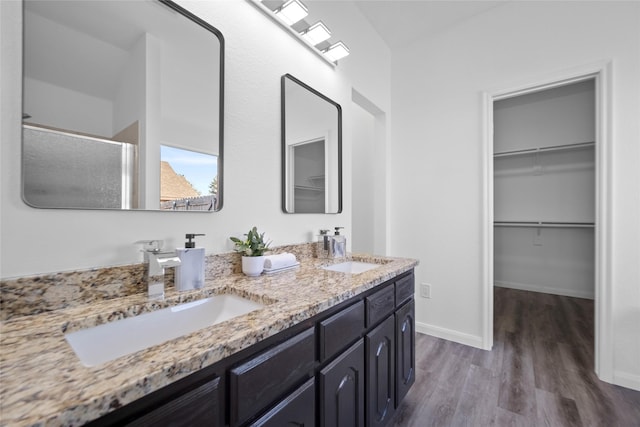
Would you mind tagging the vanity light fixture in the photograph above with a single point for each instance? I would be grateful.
(316, 34)
(290, 16)
(291, 12)
(336, 51)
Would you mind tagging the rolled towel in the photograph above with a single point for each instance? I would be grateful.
(275, 262)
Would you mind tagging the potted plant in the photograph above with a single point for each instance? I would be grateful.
(252, 249)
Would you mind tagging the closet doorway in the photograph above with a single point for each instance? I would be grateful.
(309, 172)
(544, 191)
(547, 206)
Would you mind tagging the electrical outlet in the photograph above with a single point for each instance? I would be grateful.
(425, 290)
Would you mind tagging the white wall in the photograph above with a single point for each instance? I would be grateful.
(371, 87)
(257, 54)
(437, 157)
(365, 169)
(44, 102)
(188, 106)
(371, 185)
(557, 116)
(551, 260)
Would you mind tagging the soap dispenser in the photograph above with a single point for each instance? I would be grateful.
(323, 244)
(190, 273)
(338, 246)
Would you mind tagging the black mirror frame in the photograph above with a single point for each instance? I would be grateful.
(284, 142)
(218, 34)
(199, 21)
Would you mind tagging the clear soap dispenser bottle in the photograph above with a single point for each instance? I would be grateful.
(323, 244)
(190, 273)
(338, 246)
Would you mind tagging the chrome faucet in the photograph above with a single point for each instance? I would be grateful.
(157, 261)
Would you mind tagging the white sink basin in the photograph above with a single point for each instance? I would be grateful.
(109, 341)
(352, 267)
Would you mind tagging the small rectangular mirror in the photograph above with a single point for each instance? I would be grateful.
(311, 150)
(122, 106)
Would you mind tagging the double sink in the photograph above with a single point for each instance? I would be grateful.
(109, 341)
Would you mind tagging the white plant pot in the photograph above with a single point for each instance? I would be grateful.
(252, 265)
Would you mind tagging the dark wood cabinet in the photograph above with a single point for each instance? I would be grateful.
(405, 349)
(198, 399)
(380, 305)
(342, 389)
(405, 289)
(350, 366)
(198, 407)
(381, 367)
(263, 379)
(340, 330)
(385, 367)
(296, 410)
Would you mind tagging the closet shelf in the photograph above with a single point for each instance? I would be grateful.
(564, 147)
(308, 188)
(544, 224)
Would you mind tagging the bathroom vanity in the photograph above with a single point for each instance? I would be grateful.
(328, 348)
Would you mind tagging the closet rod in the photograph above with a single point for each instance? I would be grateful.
(545, 149)
(544, 224)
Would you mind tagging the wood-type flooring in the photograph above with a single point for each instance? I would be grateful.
(539, 373)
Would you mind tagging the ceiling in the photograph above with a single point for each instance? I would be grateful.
(400, 22)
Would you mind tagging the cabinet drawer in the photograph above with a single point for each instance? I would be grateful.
(340, 330)
(297, 409)
(379, 305)
(405, 288)
(200, 406)
(259, 382)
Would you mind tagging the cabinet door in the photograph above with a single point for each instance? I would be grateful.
(380, 353)
(198, 407)
(296, 410)
(405, 350)
(342, 389)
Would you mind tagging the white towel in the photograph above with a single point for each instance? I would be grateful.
(274, 262)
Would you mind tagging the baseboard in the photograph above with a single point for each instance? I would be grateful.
(546, 290)
(450, 335)
(625, 379)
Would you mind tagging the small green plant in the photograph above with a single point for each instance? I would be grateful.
(253, 245)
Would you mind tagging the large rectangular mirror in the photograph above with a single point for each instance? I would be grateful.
(311, 150)
(122, 106)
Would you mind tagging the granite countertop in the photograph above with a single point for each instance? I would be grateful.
(43, 382)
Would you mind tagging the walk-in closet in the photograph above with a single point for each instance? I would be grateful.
(544, 164)
(544, 190)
